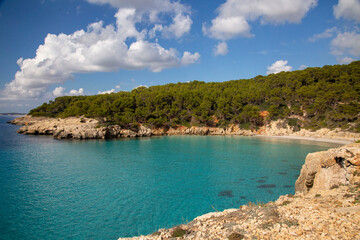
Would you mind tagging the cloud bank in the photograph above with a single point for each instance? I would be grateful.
(108, 48)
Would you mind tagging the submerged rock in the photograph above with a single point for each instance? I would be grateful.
(226, 193)
(267, 186)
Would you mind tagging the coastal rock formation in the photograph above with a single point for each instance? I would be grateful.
(324, 212)
(330, 169)
(88, 128)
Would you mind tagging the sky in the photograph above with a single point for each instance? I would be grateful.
(52, 48)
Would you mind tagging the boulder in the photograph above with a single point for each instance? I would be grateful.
(330, 169)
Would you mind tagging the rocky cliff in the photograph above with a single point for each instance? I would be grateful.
(87, 128)
(327, 207)
(330, 169)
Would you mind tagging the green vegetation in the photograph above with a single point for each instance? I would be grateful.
(312, 98)
(236, 236)
(178, 232)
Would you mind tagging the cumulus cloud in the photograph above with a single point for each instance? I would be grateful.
(279, 66)
(345, 60)
(102, 48)
(75, 92)
(189, 58)
(348, 9)
(328, 33)
(151, 11)
(107, 92)
(221, 49)
(347, 43)
(60, 91)
(234, 16)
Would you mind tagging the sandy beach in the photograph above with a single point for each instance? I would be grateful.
(329, 140)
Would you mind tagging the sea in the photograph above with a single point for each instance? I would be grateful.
(106, 189)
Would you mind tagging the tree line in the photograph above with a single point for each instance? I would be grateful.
(311, 98)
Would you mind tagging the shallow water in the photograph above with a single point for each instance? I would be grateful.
(97, 189)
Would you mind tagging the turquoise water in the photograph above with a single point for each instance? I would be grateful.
(51, 189)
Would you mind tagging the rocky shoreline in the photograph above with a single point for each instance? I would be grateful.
(326, 206)
(88, 128)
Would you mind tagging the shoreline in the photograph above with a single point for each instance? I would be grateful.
(88, 128)
(313, 139)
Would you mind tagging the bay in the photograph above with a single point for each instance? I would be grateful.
(97, 189)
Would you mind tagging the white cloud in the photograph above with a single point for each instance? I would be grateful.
(151, 10)
(60, 91)
(234, 16)
(348, 9)
(345, 60)
(75, 92)
(180, 26)
(279, 66)
(103, 49)
(221, 49)
(107, 92)
(328, 33)
(117, 86)
(347, 43)
(189, 58)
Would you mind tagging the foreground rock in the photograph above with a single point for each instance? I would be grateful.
(330, 169)
(322, 213)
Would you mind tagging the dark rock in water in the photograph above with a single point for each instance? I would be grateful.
(241, 179)
(265, 177)
(282, 173)
(287, 186)
(269, 191)
(284, 160)
(226, 193)
(242, 197)
(261, 181)
(267, 186)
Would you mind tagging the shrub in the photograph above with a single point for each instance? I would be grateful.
(178, 232)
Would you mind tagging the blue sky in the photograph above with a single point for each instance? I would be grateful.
(51, 48)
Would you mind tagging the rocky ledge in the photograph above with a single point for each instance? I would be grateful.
(88, 128)
(326, 206)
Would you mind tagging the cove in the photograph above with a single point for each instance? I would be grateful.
(98, 189)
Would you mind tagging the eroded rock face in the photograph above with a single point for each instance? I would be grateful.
(87, 128)
(330, 169)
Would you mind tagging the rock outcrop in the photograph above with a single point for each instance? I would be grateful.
(330, 169)
(88, 128)
(330, 209)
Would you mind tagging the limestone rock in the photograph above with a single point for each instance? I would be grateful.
(329, 169)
